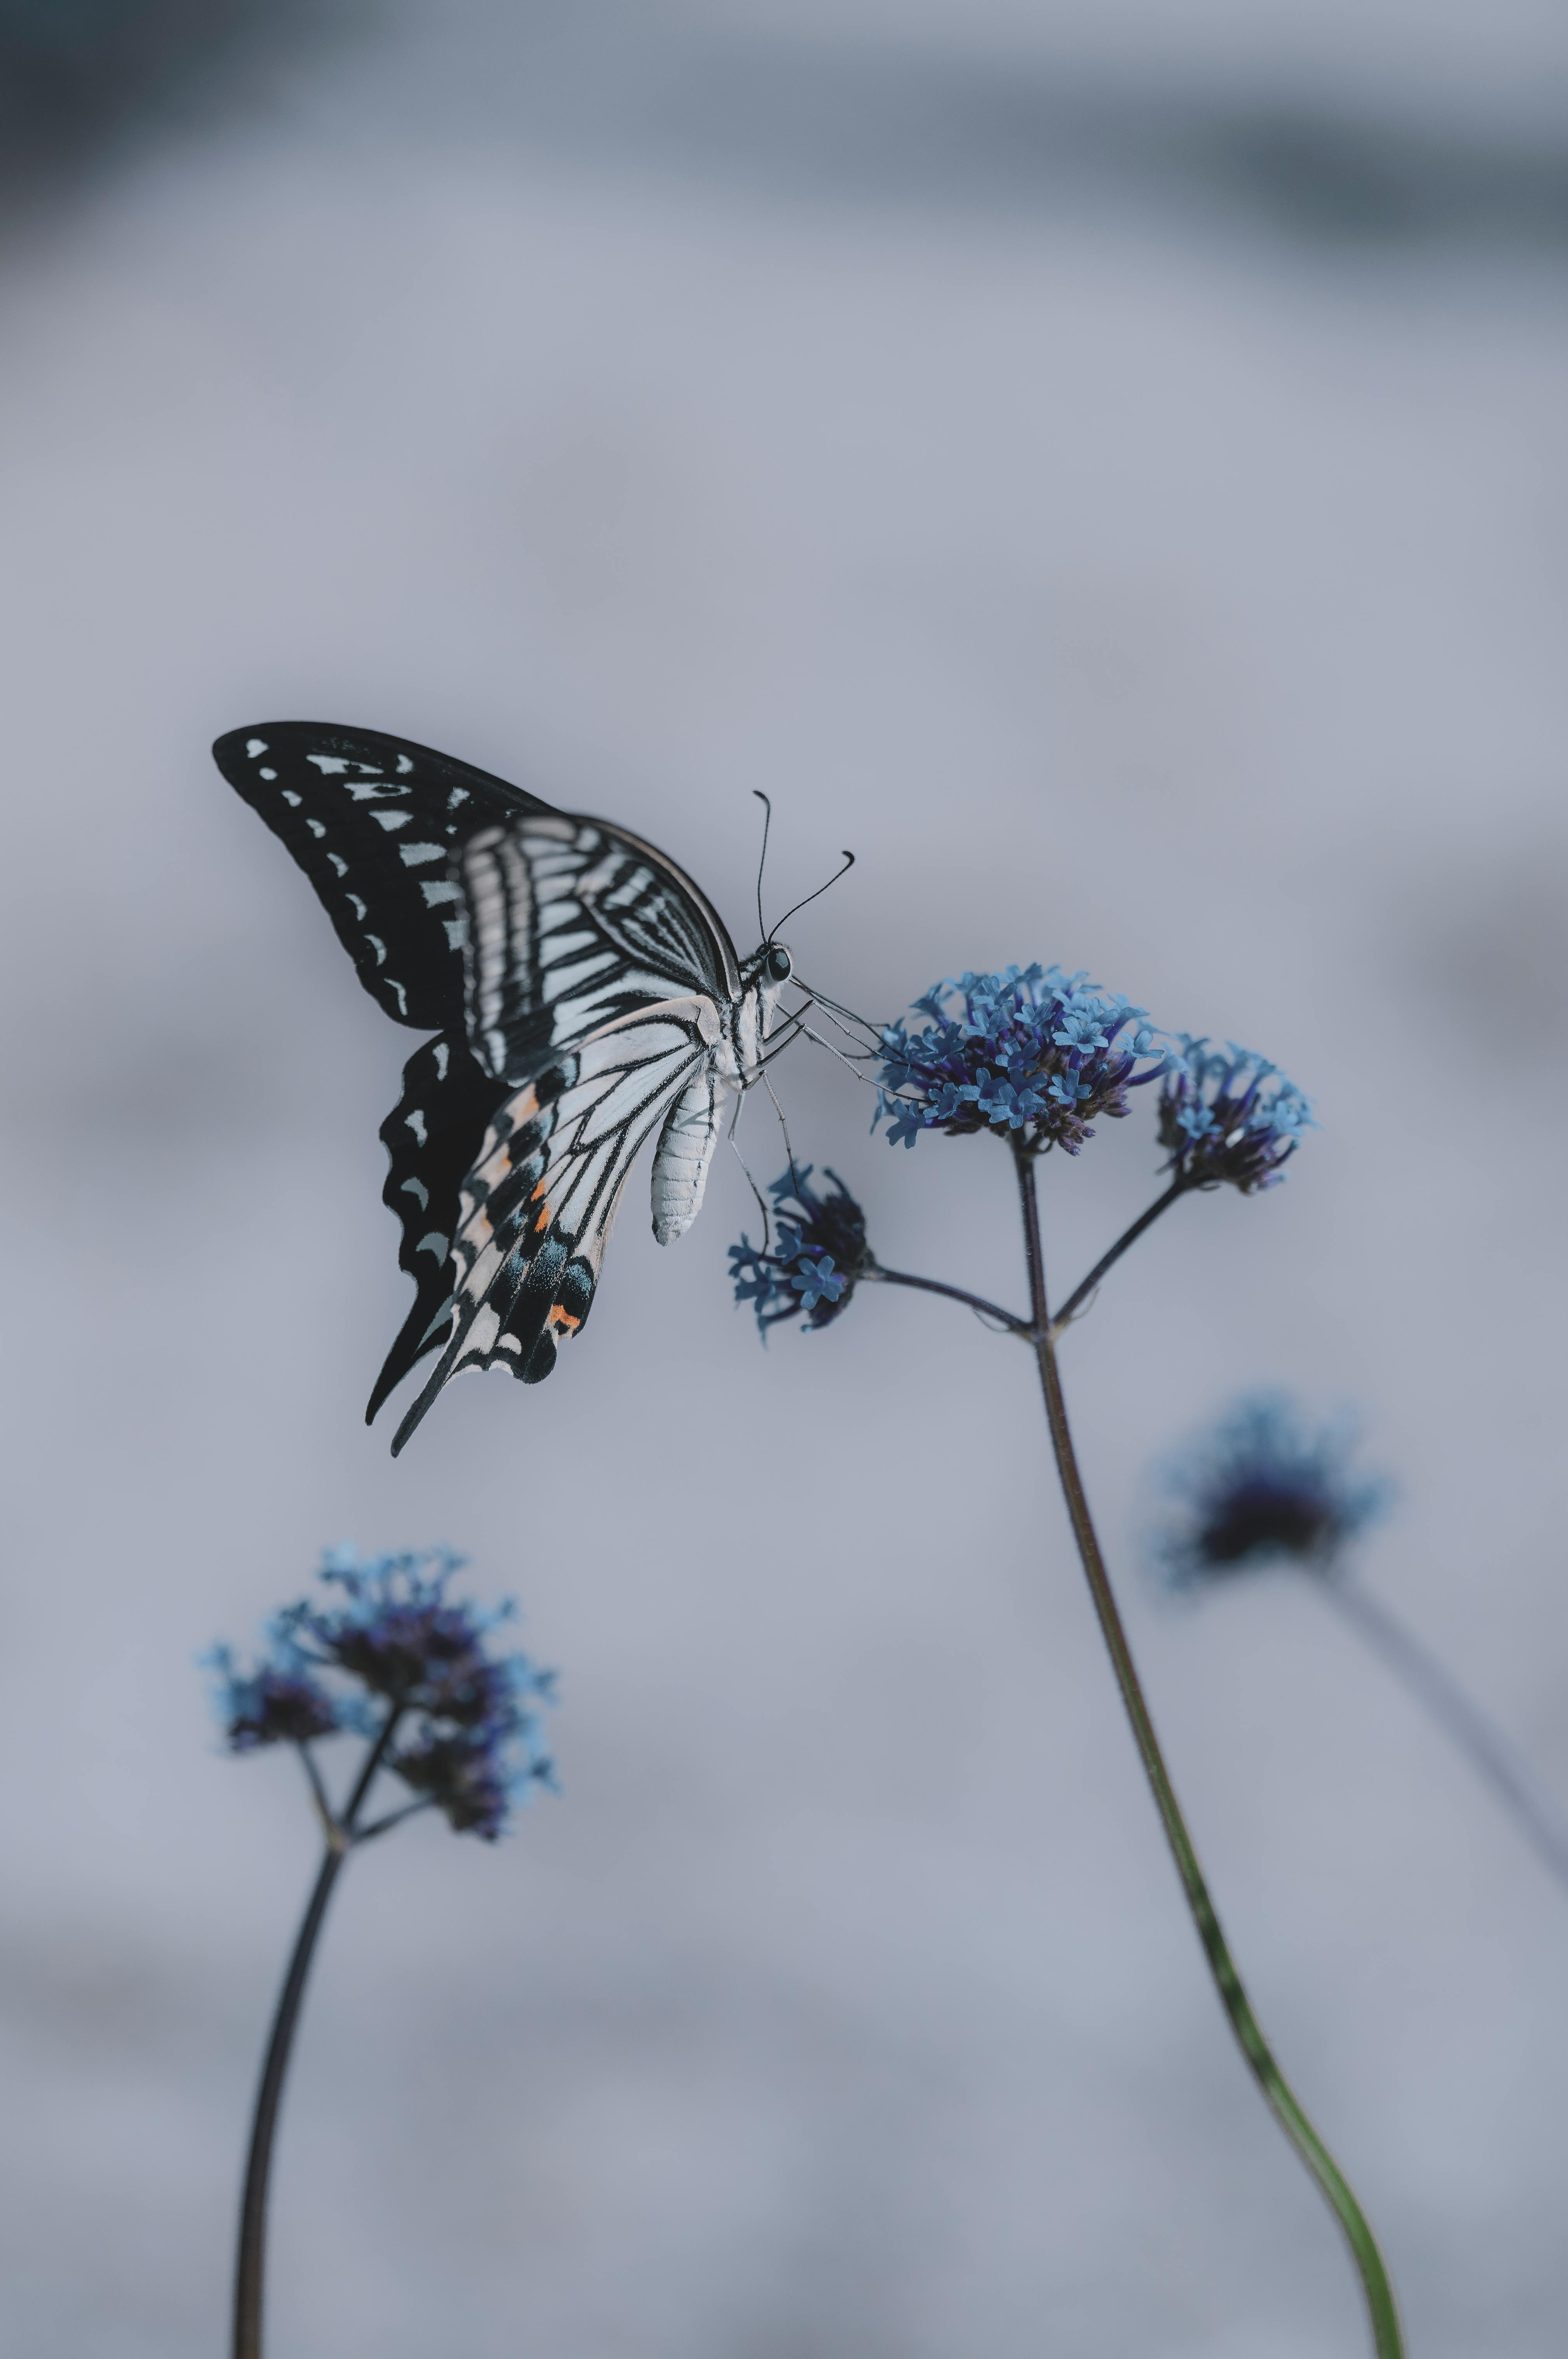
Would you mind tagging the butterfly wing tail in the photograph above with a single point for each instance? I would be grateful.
(434, 1137)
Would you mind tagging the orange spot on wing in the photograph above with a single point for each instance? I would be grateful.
(562, 1320)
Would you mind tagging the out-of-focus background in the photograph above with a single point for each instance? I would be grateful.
(1106, 464)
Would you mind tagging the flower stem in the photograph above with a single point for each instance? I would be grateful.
(1282, 2100)
(954, 1293)
(343, 1833)
(1432, 1685)
(1145, 1220)
(251, 2262)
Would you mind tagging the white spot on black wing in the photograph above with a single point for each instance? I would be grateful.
(254, 746)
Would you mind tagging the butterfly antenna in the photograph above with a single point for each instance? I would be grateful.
(767, 803)
(848, 865)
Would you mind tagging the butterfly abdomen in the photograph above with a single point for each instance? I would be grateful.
(684, 1152)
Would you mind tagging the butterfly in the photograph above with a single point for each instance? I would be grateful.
(583, 993)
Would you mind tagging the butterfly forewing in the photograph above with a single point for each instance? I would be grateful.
(373, 821)
(573, 921)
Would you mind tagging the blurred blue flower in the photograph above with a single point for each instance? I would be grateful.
(394, 1656)
(279, 1702)
(1261, 1487)
(1032, 1053)
(1229, 1117)
(819, 1251)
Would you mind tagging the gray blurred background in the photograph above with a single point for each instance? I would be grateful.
(1106, 464)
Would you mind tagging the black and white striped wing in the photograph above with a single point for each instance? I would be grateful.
(516, 934)
(535, 1212)
(373, 821)
(434, 1137)
(578, 923)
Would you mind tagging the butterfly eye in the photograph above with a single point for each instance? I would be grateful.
(778, 963)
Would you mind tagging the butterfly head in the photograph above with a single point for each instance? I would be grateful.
(763, 975)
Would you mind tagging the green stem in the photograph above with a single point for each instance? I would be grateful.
(1388, 2342)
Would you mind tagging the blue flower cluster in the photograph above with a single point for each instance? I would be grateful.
(1032, 1052)
(1259, 1486)
(396, 1659)
(1229, 1117)
(819, 1251)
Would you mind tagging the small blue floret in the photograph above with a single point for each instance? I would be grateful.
(817, 1254)
(1229, 1117)
(1030, 1052)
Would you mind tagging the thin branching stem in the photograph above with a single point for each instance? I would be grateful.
(1146, 1219)
(954, 1293)
(251, 2266)
(1434, 1687)
(317, 1792)
(373, 1761)
(342, 1834)
(1286, 2106)
(394, 1819)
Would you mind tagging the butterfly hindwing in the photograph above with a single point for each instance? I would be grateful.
(432, 1136)
(535, 1212)
(374, 822)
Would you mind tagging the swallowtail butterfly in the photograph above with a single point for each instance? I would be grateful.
(584, 996)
